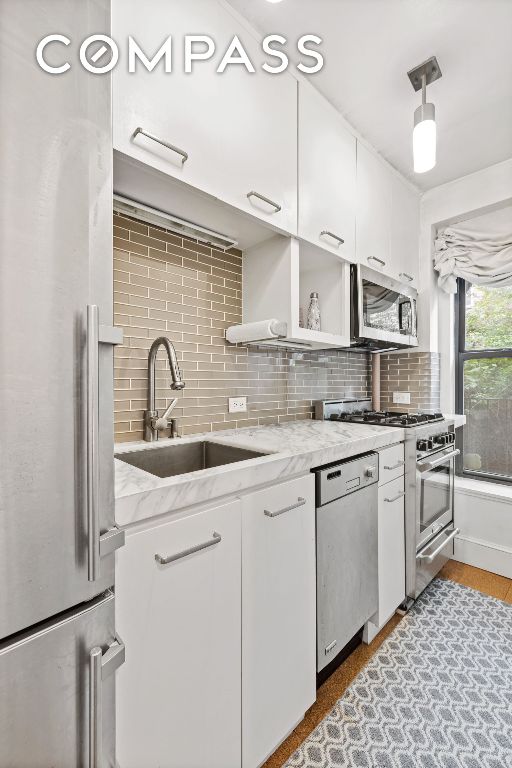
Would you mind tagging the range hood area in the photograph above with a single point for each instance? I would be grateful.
(361, 309)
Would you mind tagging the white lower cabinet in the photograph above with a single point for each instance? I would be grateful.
(221, 635)
(278, 614)
(178, 697)
(391, 548)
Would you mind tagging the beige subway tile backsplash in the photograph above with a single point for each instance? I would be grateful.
(414, 372)
(165, 285)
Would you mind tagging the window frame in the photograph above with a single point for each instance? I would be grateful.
(461, 355)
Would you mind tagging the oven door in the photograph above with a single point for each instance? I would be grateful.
(435, 490)
(386, 309)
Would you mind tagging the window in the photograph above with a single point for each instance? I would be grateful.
(484, 380)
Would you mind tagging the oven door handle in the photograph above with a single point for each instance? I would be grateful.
(427, 465)
(430, 558)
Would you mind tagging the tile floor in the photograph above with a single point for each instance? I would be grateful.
(335, 686)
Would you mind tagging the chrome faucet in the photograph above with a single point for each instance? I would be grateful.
(153, 423)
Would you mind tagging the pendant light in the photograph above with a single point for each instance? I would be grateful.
(424, 137)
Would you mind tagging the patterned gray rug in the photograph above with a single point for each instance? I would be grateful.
(437, 694)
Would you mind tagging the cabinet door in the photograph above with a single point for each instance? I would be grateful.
(178, 703)
(238, 130)
(278, 614)
(373, 218)
(327, 175)
(405, 223)
(391, 548)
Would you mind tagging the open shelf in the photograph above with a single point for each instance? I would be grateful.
(327, 275)
(279, 276)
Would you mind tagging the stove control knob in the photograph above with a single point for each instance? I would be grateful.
(422, 445)
(370, 471)
(442, 439)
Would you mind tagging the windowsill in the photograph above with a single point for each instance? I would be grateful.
(474, 487)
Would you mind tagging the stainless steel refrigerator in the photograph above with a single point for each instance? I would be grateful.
(58, 644)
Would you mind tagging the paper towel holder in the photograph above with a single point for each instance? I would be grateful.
(266, 330)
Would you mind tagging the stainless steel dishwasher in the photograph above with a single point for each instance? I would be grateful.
(346, 551)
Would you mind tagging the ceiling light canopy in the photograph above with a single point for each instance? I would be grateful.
(424, 137)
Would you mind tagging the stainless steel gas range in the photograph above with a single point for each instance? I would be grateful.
(429, 483)
(429, 502)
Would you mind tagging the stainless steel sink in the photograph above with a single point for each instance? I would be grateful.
(177, 459)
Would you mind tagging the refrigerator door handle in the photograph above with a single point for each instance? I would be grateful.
(98, 545)
(101, 666)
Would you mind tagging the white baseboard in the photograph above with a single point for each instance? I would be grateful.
(483, 554)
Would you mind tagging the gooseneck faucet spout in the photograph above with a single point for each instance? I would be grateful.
(152, 423)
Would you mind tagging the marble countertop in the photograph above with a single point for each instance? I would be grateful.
(292, 449)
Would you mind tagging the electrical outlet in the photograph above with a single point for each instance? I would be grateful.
(237, 404)
(404, 398)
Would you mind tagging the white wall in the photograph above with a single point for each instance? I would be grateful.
(456, 201)
(483, 511)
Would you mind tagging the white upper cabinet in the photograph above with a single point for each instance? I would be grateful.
(232, 135)
(373, 218)
(405, 223)
(387, 221)
(327, 175)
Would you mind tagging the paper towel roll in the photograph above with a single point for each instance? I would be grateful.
(260, 331)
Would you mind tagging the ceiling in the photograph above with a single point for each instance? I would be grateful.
(369, 45)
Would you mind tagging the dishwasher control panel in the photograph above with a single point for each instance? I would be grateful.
(338, 479)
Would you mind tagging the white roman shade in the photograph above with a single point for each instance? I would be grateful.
(478, 250)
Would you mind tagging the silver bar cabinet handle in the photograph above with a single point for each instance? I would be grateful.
(101, 666)
(408, 277)
(93, 488)
(300, 503)
(399, 495)
(424, 467)
(98, 545)
(95, 714)
(265, 200)
(326, 233)
(430, 558)
(379, 261)
(216, 539)
(166, 144)
(399, 463)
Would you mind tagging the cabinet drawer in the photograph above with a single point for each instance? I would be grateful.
(391, 463)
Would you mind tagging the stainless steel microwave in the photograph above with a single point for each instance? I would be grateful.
(383, 311)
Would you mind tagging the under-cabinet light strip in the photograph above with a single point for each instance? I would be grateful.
(172, 223)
